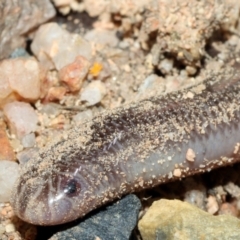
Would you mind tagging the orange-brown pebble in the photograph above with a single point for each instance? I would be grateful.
(74, 73)
(228, 208)
(6, 150)
(55, 93)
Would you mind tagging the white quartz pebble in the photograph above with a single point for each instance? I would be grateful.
(54, 44)
(166, 66)
(93, 93)
(28, 140)
(10, 227)
(8, 174)
(21, 75)
(21, 117)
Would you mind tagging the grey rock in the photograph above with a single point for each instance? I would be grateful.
(17, 17)
(116, 222)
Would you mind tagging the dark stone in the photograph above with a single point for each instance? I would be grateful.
(114, 222)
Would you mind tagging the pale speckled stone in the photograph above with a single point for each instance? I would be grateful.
(8, 174)
(174, 219)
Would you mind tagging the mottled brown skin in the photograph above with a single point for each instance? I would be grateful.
(133, 147)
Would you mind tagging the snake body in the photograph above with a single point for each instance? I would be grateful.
(130, 148)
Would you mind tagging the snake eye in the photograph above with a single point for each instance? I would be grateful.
(72, 187)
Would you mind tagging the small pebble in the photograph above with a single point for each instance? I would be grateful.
(28, 140)
(232, 189)
(16, 145)
(21, 118)
(55, 93)
(51, 109)
(74, 73)
(21, 75)
(196, 197)
(7, 169)
(10, 228)
(191, 70)
(49, 46)
(83, 116)
(93, 93)
(212, 205)
(229, 208)
(166, 66)
(150, 83)
(102, 36)
(19, 52)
